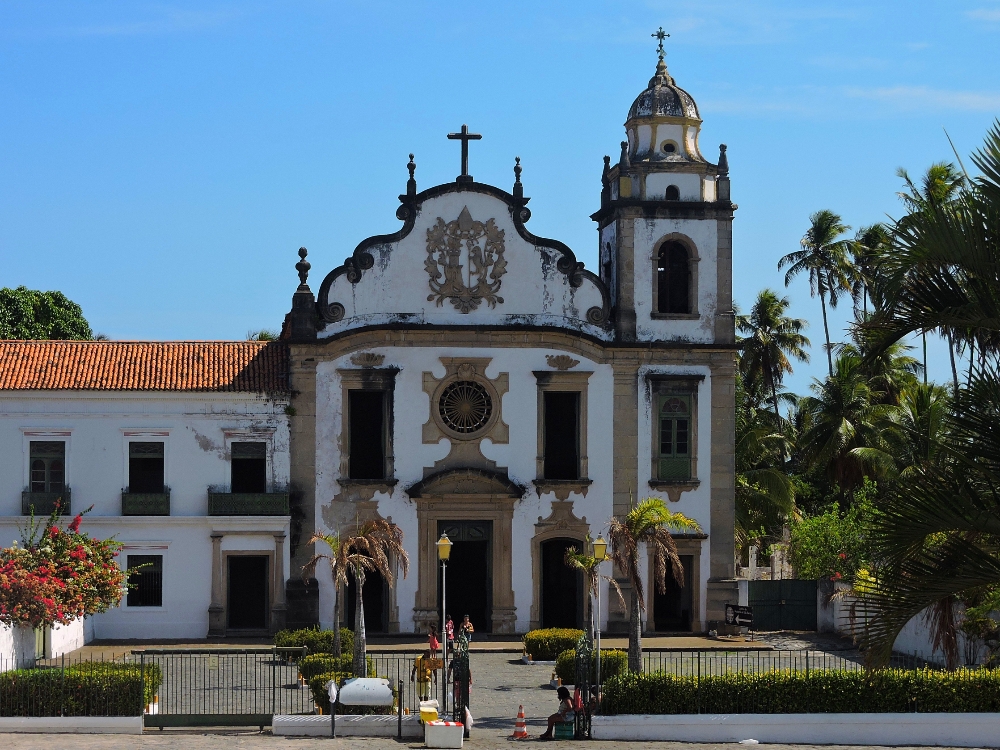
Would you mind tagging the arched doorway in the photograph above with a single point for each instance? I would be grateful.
(376, 601)
(562, 598)
(673, 610)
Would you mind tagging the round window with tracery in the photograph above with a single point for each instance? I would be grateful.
(465, 406)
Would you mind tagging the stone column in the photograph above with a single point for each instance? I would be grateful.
(278, 606)
(722, 584)
(217, 610)
(625, 478)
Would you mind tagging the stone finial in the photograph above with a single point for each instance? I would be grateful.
(411, 184)
(518, 187)
(606, 181)
(623, 161)
(303, 267)
(723, 161)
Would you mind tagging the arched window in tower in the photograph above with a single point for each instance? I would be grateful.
(673, 193)
(673, 279)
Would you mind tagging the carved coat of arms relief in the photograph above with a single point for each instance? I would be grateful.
(465, 262)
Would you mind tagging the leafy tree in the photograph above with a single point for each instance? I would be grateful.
(650, 523)
(264, 334)
(824, 257)
(835, 544)
(770, 338)
(31, 314)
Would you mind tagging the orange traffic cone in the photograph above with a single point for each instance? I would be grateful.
(520, 727)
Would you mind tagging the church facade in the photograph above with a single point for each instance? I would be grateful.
(464, 376)
(459, 375)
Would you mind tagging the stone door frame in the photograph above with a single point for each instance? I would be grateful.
(465, 507)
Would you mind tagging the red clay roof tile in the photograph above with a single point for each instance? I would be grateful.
(238, 366)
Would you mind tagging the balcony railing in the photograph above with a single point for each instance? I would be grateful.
(146, 503)
(247, 503)
(674, 469)
(45, 502)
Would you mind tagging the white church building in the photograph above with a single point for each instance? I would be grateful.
(457, 375)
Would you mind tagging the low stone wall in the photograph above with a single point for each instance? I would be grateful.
(72, 724)
(937, 729)
(347, 726)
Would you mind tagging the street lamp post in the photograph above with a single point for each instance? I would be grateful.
(600, 554)
(444, 552)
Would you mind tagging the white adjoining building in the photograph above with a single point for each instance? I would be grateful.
(458, 375)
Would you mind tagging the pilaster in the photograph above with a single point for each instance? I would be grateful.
(722, 585)
(302, 447)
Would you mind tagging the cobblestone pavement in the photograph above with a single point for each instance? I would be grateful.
(201, 740)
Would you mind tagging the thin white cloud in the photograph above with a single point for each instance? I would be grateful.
(984, 14)
(166, 21)
(924, 97)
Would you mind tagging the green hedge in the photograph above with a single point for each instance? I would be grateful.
(316, 640)
(86, 689)
(547, 644)
(821, 691)
(316, 664)
(613, 663)
(318, 687)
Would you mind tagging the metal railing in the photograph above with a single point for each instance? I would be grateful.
(146, 503)
(248, 503)
(45, 502)
(758, 661)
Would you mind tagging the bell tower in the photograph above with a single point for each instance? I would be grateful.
(665, 223)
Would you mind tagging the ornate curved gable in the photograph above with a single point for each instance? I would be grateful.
(463, 257)
(466, 482)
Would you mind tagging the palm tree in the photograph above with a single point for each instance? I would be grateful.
(374, 547)
(888, 371)
(870, 244)
(590, 567)
(919, 438)
(844, 426)
(824, 257)
(648, 523)
(338, 574)
(770, 338)
(765, 494)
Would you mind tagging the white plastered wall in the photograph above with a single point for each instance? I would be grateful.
(704, 235)
(193, 428)
(519, 410)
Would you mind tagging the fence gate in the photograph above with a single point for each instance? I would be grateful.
(224, 686)
(783, 605)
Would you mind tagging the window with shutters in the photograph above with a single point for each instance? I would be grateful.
(249, 467)
(674, 454)
(145, 467)
(47, 465)
(145, 581)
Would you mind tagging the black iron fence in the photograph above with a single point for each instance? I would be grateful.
(757, 661)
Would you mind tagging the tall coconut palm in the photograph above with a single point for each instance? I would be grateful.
(590, 566)
(374, 547)
(769, 338)
(824, 257)
(647, 524)
(338, 574)
(844, 427)
(870, 244)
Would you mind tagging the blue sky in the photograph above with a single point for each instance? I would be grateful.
(160, 163)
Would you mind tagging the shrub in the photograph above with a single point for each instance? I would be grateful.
(315, 664)
(318, 687)
(316, 640)
(820, 691)
(547, 644)
(613, 663)
(86, 689)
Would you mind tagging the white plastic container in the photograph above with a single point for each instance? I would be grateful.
(444, 734)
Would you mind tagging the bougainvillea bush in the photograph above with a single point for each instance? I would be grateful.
(58, 575)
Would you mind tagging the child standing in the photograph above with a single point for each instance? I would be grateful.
(423, 674)
(449, 631)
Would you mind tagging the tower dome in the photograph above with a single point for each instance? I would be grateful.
(663, 122)
(663, 98)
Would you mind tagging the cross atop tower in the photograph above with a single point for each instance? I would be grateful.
(465, 136)
(661, 35)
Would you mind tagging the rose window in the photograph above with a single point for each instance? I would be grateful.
(465, 407)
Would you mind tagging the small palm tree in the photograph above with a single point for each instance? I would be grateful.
(770, 339)
(869, 246)
(648, 523)
(372, 548)
(590, 567)
(824, 257)
(338, 574)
